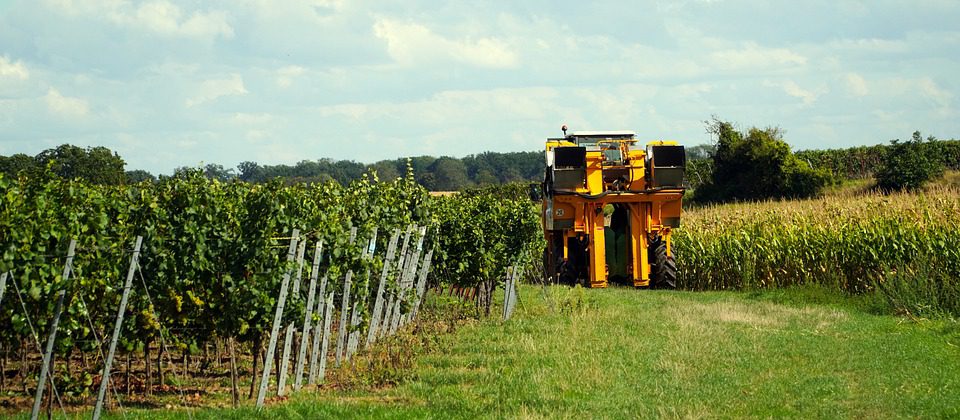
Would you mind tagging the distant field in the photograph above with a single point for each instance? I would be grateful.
(573, 353)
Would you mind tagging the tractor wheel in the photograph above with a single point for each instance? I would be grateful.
(664, 269)
(568, 273)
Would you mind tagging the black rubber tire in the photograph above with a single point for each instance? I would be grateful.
(563, 271)
(663, 273)
(568, 274)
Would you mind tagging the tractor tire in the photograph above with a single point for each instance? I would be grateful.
(663, 273)
(568, 274)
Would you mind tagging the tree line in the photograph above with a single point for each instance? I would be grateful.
(434, 173)
(739, 164)
(101, 166)
(757, 164)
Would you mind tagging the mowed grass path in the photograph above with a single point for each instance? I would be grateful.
(630, 353)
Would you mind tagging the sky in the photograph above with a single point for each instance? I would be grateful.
(168, 84)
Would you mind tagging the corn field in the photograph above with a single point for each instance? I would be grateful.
(905, 246)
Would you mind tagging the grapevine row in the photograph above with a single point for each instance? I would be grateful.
(213, 256)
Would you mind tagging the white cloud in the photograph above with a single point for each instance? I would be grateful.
(158, 16)
(352, 111)
(255, 136)
(286, 75)
(166, 18)
(65, 105)
(415, 44)
(252, 119)
(791, 88)
(390, 76)
(314, 9)
(212, 89)
(857, 85)
(753, 56)
(13, 69)
(870, 45)
(936, 94)
(924, 87)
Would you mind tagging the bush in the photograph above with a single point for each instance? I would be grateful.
(910, 164)
(757, 164)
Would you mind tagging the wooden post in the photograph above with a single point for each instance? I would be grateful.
(3, 284)
(307, 317)
(325, 345)
(402, 259)
(52, 338)
(317, 333)
(296, 283)
(277, 318)
(344, 308)
(354, 340)
(378, 299)
(512, 294)
(506, 293)
(407, 282)
(422, 282)
(342, 327)
(233, 372)
(105, 380)
(285, 361)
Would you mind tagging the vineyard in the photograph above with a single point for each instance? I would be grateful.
(282, 276)
(193, 287)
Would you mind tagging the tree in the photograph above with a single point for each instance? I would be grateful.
(757, 164)
(250, 171)
(218, 172)
(449, 174)
(908, 165)
(12, 166)
(386, 170)
(485, 177)
(97, 165)
(139, 175)
(701, 151)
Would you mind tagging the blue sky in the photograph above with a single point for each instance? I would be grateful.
(169, 84)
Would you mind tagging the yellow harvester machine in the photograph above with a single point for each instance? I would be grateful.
(609, 207)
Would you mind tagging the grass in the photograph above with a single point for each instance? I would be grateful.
(573, 353)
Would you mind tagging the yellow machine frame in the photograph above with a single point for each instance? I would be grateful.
(653, 211)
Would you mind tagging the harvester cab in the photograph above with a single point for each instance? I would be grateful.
(609, 207)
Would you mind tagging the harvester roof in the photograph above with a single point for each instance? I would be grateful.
(593, 137)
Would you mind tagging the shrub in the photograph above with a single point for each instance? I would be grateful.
(909, 164)
(757, 164)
